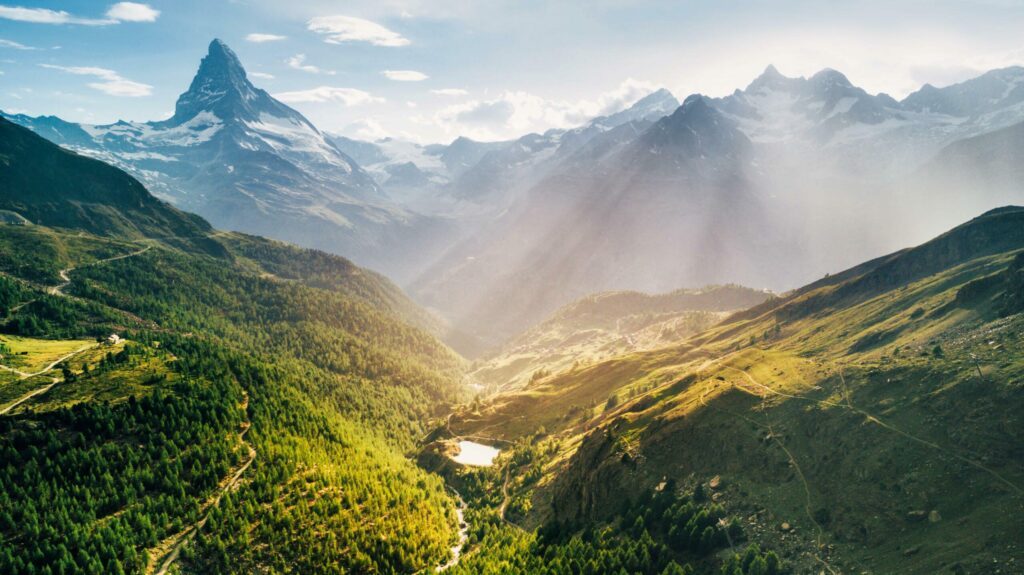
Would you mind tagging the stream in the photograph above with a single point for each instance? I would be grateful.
(460, 512)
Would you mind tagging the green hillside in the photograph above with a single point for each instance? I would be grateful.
(253, 414)
(864, 424)
(335, 386)
(48, 185)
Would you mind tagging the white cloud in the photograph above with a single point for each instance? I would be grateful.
(46, 16)
(618, 99)
(404, 75)
(515, 113)
(298, 62)
(260, 38)
(262, 75)
(367, 129)
(454, 92)
(119, 12)
(132, 12)
(111, 82)
(339, 29)
(322, 94)
(15, 45)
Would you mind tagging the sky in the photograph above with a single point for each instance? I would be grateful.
(432, 70)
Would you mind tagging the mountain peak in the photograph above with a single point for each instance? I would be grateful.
(697, 129)
(771, 72)
(219, 53)
(220, 86)
(771, 78)
(694, 103)
(660, 99)
(830, 77)
(657, 95)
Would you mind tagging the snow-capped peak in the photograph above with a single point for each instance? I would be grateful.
(222, 88)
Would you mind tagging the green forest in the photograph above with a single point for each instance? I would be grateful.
(321, 376)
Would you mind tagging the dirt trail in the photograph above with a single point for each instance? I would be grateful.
(175, 543)
(58, 290)
(45, 388)
(776, 438)
(848, 405)
(504, 497)
(808, 497)
(29, 396)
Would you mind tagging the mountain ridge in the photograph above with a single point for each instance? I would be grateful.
(51, 186)
(838, 434)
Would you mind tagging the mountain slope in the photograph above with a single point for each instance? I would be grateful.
(989, 163)
(55, 187)
(607, 218)
(864, 422)
(262, 396)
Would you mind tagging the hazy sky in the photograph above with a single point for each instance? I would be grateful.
(432, 70)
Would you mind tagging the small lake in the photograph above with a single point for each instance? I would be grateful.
(476, 454)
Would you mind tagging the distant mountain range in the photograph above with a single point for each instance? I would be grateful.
(770, 186)
(775, 184)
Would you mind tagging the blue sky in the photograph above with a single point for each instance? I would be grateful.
(432, 70)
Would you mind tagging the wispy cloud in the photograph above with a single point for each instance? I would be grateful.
(15, 45)
(404, 75)
(453, 92)
(514, 113)
(261, 38)
(47, 16)
(117, 13)
(367, 129)
(110, 83)
(132, 12)
(339, 29)
(321, 94)
(262, 75)
(298, 62)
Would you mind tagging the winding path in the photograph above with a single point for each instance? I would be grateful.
(874, 419)
(178, 541)
(65, 279)
(58, 290)
(47, 369)
(846, 404)
(29, 396)
(767, 426)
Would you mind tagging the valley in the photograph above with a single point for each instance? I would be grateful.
(776, 422)
(773, 331)
(681, 432)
